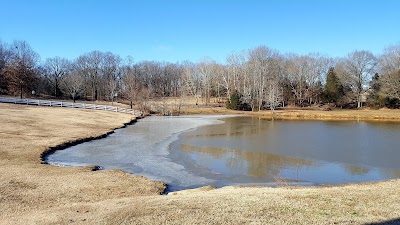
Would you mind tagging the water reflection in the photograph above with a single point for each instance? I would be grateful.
(246, 149)
(254, 164)
(193, 151)
(356, 170)
(234, 126)
(356, 143)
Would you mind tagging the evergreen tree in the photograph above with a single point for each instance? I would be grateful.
(377, 99)
(235, 102)
(333, 88)
(375, 83)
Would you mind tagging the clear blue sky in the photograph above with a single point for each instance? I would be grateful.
(190, 30)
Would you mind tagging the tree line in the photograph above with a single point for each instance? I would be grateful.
(254, 79)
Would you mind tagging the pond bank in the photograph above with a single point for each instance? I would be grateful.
(29, 189)
(31, 192)
(337, 114)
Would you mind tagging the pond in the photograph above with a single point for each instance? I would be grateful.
(193, 151)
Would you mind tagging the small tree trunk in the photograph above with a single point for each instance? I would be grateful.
(55, 88)
(21, 90)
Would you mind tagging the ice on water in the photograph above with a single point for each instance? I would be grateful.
(141, 149)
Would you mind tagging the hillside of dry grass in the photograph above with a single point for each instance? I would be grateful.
(34, 193)
(28, 187)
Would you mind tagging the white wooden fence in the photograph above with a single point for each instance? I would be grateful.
(27, 101)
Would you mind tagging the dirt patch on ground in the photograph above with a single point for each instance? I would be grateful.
(34, 193)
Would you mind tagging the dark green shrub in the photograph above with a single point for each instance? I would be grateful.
(235, 102)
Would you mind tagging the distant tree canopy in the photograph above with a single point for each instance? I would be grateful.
(255, 79)
(18, 68)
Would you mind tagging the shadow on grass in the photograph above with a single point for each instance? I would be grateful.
(389, 222)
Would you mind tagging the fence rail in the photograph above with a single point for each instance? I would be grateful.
(38, 102)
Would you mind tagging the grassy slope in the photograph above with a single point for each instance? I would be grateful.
(36, 193)
(30, 188)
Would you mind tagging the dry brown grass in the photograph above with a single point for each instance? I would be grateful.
(353, 204)
(33, 193)
(29, 189)
(363, 114)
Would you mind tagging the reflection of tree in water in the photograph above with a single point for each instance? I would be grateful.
(234, 126)
(392, 173)
(359, 170)
(259, 164)
(356, 170)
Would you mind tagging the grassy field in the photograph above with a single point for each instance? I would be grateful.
(35, 193)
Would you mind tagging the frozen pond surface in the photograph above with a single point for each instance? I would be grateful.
(193, 151)
(142, 148)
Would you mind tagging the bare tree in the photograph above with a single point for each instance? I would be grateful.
(191, 81)
(258, 68)
(390, 84)
(20, 70)
(219, 83)
(359, 67)
(206, 72)
(111, 75)
(317, 71)
(235, 68)
(296, 71)
(172, 73)
(132, 84)
(274, 93)
(55, 69)
(73, 84)
(389, 67)
(5, 56)
(88, 66)
(389, 61)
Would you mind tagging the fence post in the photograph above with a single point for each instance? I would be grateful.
(61, 104)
